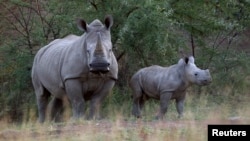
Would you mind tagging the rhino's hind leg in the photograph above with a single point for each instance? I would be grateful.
(57, 109)
(138, 102)
(42, 96)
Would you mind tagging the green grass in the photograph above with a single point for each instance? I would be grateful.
(119, 124)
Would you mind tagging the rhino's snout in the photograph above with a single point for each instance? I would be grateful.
(206, 81)
(99, 67)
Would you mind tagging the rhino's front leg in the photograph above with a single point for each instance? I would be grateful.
(164, 100)
(180, 105)
(98, 97)
(74, 92)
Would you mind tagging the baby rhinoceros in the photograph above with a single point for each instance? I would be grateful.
(166, 83)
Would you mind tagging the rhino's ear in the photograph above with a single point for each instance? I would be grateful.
(186, 59)
(82, 25)
(181, 61)
(108, 21)
(191, 59)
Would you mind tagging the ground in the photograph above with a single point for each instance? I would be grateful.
(118, 129)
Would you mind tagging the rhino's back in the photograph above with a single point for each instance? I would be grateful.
(148, 80)
(54, 50)
(156, 79)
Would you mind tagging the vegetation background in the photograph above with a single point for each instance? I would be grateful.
(144, 33)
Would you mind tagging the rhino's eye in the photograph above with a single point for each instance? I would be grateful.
(196, 74)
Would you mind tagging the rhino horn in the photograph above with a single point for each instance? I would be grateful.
(98, 49)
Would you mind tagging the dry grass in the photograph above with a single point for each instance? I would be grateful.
(198, 114)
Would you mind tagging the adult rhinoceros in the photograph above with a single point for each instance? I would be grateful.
(165, 83)
(79, 67)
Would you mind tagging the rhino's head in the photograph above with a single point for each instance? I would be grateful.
(98, 45)
(194, 74)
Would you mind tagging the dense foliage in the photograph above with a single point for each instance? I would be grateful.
(144, 33)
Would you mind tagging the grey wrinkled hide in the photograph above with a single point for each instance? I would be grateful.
(166, 83)
(79, 68)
